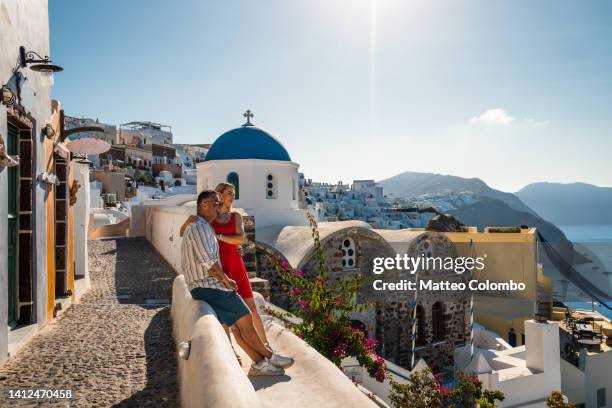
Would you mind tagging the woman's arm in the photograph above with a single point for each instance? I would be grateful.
(190, 219)
(239, 238)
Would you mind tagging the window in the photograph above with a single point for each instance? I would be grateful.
(512, 337)
(601, 397)
(437, 320)
(420, 326)
(348, 253)
(293, 189)
(271, 187)
(234, 180)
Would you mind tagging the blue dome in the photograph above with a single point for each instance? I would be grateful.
(247, 142)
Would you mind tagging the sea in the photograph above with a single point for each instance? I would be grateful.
(596, 238)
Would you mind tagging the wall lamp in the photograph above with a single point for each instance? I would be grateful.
(5, 159)
(8, 97)
(48, 131)
(41, 64)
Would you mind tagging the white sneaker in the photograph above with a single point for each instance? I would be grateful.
(281, 361)
(265, 367)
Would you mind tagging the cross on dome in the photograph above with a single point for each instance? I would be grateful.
(248, 115)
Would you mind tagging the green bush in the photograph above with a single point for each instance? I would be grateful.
(325, 311)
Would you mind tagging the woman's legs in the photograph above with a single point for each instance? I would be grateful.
(259, 327)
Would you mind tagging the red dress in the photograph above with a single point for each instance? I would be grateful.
(231, 260)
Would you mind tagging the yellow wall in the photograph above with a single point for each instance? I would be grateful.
(509, 256)
(502, 326)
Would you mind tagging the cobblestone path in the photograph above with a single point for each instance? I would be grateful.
(115, 348)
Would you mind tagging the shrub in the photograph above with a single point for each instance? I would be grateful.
(556, 401)
(325, 310)
(425, 390)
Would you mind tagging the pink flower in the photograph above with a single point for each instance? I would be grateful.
(379, 359)
(297, 290)
(284, 263)
(298, 273)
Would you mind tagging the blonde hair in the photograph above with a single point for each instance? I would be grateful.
(222, 186)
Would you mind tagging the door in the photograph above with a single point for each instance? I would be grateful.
(13, 225)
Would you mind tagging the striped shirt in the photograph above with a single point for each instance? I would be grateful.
(199, 252)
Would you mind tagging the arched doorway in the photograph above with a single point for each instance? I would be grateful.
(420, 329)
(437, 320)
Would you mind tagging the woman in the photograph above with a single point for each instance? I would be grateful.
(230, 233)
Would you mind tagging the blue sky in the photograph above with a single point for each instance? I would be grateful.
(510, 92)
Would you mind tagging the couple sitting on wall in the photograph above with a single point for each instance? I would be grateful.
(215, 273)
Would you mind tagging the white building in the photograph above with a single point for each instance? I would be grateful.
(526, 374)
(266, 179)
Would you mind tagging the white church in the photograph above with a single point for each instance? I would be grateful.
(260, 168)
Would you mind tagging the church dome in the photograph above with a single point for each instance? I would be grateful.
(247, 142)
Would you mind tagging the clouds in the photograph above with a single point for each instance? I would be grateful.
(499, 117)
(533, 122)
(495, 116)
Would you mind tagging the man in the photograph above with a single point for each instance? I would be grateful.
(207, 282)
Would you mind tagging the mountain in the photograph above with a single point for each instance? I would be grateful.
(485, 206)
(488, 212)
(474, 203)
(569, 204)
(412, 184)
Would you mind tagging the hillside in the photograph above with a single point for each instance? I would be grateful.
(569, 204)
(413, 184)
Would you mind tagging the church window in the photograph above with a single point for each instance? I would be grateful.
(437, 320)
(348, 253)
(234, 180)
(420, 326)
(271, 191)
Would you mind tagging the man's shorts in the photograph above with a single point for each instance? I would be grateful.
(228, 305)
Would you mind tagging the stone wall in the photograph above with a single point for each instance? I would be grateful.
(389, 319)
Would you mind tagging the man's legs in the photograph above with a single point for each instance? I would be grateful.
(250, 337)
(255, 356)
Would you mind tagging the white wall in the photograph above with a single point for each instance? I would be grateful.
(283, 210)
(26, 23)
(162, 226)
(211, 376)
(81, 219)
(528, 377)
(598, 372)
(572, 382)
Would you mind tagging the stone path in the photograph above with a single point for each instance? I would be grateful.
(115, 348)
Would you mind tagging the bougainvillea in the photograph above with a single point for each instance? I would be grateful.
(325, 310)
(424, 389)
